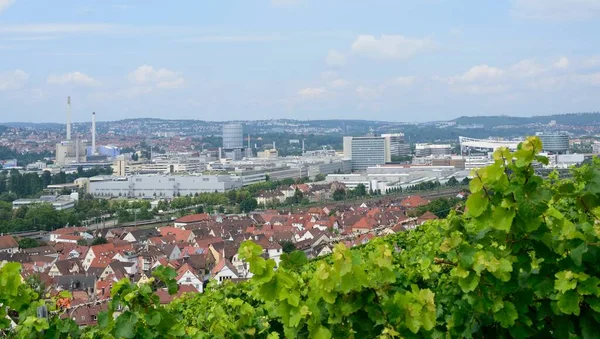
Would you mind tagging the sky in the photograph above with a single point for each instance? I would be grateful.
(393, 60)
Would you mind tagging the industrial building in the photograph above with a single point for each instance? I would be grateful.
(398, 146)
(469, 145)
(58, 202)
(389, 176)
(162, 186)
(179, 163)
(554, 142)
(423, 150)
(367, 151)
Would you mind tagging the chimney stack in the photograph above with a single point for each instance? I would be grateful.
(68, 118)
(94, 133)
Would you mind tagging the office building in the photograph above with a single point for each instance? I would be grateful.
(162, 186)
(367, 151)
(423, 150)
(233, 136)
(554, 142)
(398, 147)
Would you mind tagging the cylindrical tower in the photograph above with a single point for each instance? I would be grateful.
(233, 136)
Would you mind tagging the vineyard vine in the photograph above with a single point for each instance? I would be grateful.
(519, 259)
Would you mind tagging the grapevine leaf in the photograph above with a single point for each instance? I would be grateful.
(477, 203)
(321, 333)
(506, 315)
(125, 325)
(594, 303)
(469, 283)
(565, 281)
(476, 184)
(503, 218)
(589, 287)
(578, 252)
(568, 303)
(589, 326)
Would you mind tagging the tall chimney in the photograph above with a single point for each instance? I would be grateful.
(68, 118)
(77, 149)
(94, 133)
(303, 146)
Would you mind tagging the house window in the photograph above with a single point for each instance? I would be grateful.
(94, 317)
(188, 279)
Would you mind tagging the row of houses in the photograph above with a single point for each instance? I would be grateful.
(199, 247)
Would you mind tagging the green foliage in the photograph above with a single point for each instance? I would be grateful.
(99, 241)
(28, 243)
(519, 259)
(287, 246)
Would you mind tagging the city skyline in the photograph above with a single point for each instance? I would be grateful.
(297, 59)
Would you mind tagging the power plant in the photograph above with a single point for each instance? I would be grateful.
(68, 151)
(75, 150)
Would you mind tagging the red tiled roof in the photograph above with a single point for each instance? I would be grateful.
(8, 241)
(193, 218)
(414, 201)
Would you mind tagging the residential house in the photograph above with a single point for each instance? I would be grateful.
(265, 198)
(66, 267)
(8, 244)
(192, 218)
(181, 235)
(414, 201)
(224, 270)
(42, 250)
(186, 275)
(140, 236)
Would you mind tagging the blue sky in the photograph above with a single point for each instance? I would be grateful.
(397, 60)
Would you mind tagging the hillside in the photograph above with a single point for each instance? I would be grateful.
(575, 119)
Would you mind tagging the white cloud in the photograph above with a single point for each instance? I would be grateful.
(557, 9)
(404, 81)
(591, 62)
(485, 89)
(335, 58)
(391, 47)
(4, 4)
(589, 79)
(339, 83)
(13, 80)
(526, 68)
(562, 63)
(312, 92)
(76, 78)
(285, 3)
(366, 93)
(161, 78)
(479, 73)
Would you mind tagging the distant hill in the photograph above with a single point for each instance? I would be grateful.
(576, 119)
(42, 125)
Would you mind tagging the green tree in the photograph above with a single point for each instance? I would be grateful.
(28, 243)
(320, 177)
(339, 194)
(99, 241)
(452, 182)
(248, 205)
(360, 190)
(82, 242)
(287, 246)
